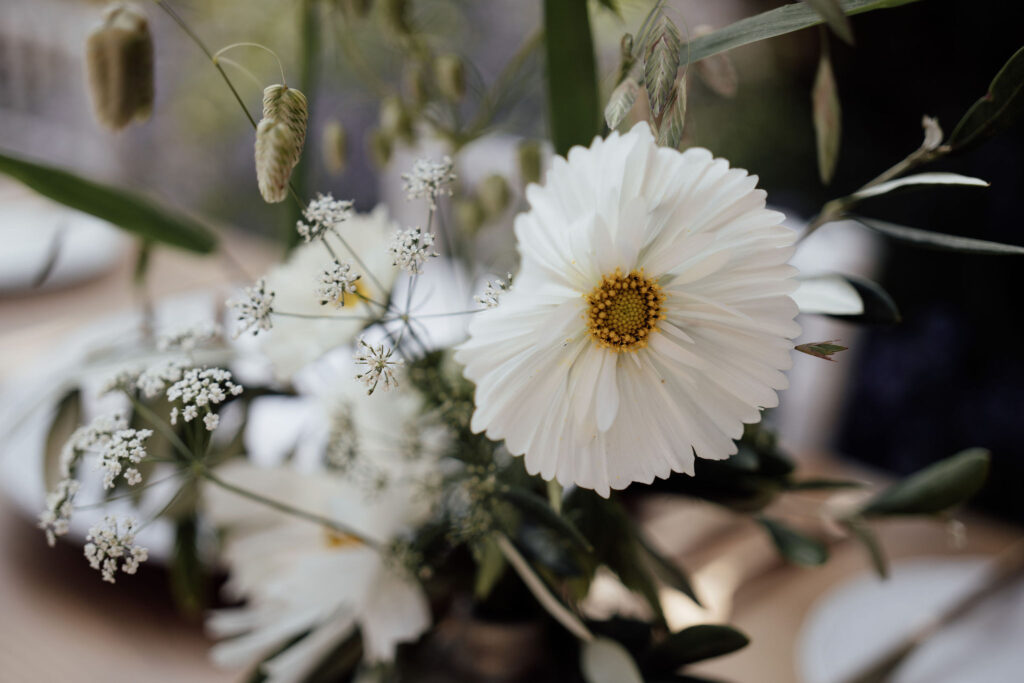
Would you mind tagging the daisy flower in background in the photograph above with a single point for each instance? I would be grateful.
(307, 583)
(298, 288)
(650, 320)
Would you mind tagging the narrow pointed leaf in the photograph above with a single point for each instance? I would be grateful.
(823, 485)
(824, 350)
(620, 102)
(667, 570)
(690, 645)
(997, 110)
(795, 546)
(878, 306)
(936, 488)
(939, 241)
(827, 118)
(918, 180)
(490, 568)
(572, 75)
(537, 508)
(776, 22)
(661, 62)
(127, 210)
(833, 14)
(859, 529)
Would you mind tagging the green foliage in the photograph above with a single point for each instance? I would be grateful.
(187, 576)
(65, 421)
(926, 239)
(934, 489)
(490, 567)
(827, 116)
(879, 308)
(996, 110)
(127, 210)
(824, 350)
(832, 13)
(572, 74)
(866, 537)
(793, 545)
(537, 508)
(690, 645)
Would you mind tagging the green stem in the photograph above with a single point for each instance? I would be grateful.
(572, 74)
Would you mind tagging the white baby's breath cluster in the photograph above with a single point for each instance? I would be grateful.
(429, 180)
(200, 389)
(411, 248)
(493, 291)
(379, 366)
(111, 542)
(188, 338)
(122, 453)
(254, 310)
(323, 214)
(336, 280)
(55, 520)
(156, 378)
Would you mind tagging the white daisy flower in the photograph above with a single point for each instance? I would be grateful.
(297, 341)
(650, 320)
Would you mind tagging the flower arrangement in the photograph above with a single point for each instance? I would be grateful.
(489, 473)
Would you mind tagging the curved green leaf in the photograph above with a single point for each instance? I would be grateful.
(939, 241)
(879, 308)
(690, 645)
(1001, 105)
(918, 180)
(827, 115)
(572, 74)
(833, 15)
(127, 210)
(936, 488)
(537, 508)
(776, 22)
(795, 546)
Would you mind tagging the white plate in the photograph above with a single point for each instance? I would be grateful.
(861, 619)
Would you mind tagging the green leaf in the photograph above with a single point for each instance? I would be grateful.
(65, 421)
(127, 210)
(666, 570)
(834, 16)
(490, 567)
(690, 645)
(795, 546)
(661, 62)
(670, 133)
(879, 308)
(915, 181)
(604, 660)
(939, 241)
(997, 110)
(776, 22)
(823, 485)
(863, 533)
(537, 508)
(824, 350)
(620, 102)
(936, 488)
(827, 117)
(572, 74)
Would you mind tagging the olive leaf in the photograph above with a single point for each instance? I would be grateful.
(693, 644)
(934, 489)
(793, 545)
(833, 14)
(997, 109)
(927, 239)
(827, 117)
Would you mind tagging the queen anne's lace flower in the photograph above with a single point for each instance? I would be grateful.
(323, 214)
(379, 366)
(155, 379)
(189, 338)
(411, 248)
(336, 281)
(122, 453)
(112, 542)
(201, 388)
(650, 320)
(493, 291)
(254, 311)
(429, 180)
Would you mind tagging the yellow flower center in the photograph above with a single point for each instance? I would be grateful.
(361, 294)
(624, 310)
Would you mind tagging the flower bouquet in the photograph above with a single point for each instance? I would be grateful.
(420, 449)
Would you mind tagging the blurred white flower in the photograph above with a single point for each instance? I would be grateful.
(297, 341)
(650, 320)
(254, 310)
(111, 542)
(429, 180)
(322, 215)
(411, 248)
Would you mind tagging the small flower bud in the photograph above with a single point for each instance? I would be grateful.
(380, 145)
(494, 195)
(529, 162)
(119, 62)
(280, 136)
(450, 74)
(394, 120)
(335, 147)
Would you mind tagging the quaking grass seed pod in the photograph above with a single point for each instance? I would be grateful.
(450, 74)
(280, 136)
(119, 64)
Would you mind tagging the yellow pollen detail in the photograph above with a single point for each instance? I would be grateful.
(359, 295)
(335, 539)
(624, 310)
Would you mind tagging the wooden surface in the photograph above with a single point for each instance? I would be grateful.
(61, 623)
